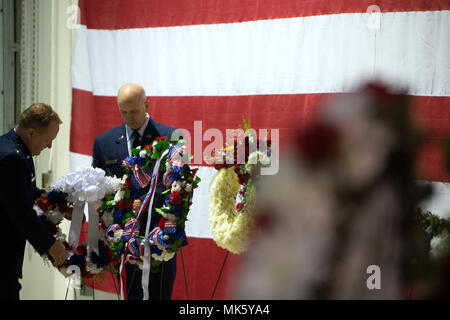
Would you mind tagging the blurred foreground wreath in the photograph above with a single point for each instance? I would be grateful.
(347, 202)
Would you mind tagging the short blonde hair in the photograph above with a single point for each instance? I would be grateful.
(38, 116)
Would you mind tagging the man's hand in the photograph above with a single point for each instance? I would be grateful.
(137, 204)
(68, 214)
(58, 252)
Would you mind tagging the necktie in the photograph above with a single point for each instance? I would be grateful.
(136, 139)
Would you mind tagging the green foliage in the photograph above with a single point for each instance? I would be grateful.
(433, 224)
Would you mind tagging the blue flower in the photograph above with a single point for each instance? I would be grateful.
(155, 249)
(177, 210)
(118, 216)
(176, 176)
(131, 160)
(140, 161)
(177, 169)
(179, 234)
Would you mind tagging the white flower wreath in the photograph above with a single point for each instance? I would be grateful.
(231, 227)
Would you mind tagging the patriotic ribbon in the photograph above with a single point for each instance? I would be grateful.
(131, 229)
(134, 246)
(140, 176)
(110, 232)
(156, 238)
(170, 226)
(147, 250)
(148, 201)
(175, 159)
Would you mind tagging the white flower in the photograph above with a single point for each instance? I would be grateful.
(440, 245)
(164, 256)
(119, 195)
(107, 218)
(143, 154)
(112, 184)
(257, 158)
(118, 235)
(188, 187)
(58, 185)
(176, 186)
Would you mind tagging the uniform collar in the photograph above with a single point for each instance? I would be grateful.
(141, 130)
(16, 138)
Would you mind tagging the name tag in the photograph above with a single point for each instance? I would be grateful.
(109, 162)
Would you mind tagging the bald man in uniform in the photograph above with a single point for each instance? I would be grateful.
(113, 146)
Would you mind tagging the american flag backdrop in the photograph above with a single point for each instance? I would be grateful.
(270, 61)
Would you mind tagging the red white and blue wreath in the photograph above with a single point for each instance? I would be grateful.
(68, 196)
(144, 170)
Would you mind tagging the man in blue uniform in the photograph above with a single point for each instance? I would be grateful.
(38, 126)
(113, 146)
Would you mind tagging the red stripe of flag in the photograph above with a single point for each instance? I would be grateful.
(125, 14)
(287, 112)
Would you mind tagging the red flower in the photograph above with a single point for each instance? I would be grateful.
(160, 139)
(44, 203)
(125, 205)
(128, 183)
(175, 198)
(149, 147)
(121, 205)
(219, 166)
(161, 223)
(129, 205)
(81, 250)
(239, 206)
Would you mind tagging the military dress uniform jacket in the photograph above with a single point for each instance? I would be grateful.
(18, 192)
(110, 148)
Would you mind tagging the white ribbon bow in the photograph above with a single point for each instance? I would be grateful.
(86, 185)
